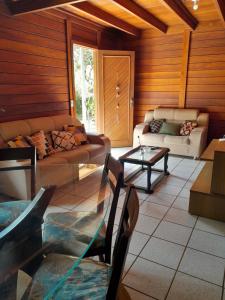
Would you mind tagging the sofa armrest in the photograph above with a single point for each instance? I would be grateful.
(139, 130)
(198, 138)
(100, 139)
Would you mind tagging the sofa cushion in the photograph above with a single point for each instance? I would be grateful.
(18, 142)
(170, 128)
(93, 149)
(61, 120)
(78, 131)
(64, 141)
(187, 127)
(154, 139)
(52, 160)
(176, 140)
(155, 125)
(8, 130)
(186, 114)
(45, 123)
(74, 156)
(164, 113)
(39, 141)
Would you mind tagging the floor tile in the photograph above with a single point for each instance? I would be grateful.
(163, 252)
(129, 261)
(185, 193)
(153, 210)
(137, 242)
(181, 203)
(169, 189)
(135, 295)
(186, 287)
(161, 198)
(180, 217)
(203, 266)
(208, 242)
(149, 278)
(173, 233)
(68, 201)
(118, 215)
(146, 224)
(174, 180)
(212, 226)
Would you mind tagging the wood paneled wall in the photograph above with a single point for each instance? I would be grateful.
(33, 66)
(159, 72)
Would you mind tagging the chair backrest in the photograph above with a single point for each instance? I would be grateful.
(113, 168)
(127, 224)
(21, 241)
(26, 153)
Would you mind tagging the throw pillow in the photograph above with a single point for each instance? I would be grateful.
(155, 125)
(64, 141)
(79, 133)
(39, 141)
(187, 127)
(18, 142)
(170, 129)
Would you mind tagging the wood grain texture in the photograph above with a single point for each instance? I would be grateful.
(33, 66)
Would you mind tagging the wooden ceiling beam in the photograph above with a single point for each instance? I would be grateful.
(180, 9)
(27, 6)
(106, 18)
(220, 4)
(141, 13)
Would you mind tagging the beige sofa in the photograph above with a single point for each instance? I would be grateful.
(191, 145)
(59, 168)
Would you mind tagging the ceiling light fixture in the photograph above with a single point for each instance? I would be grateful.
(195, 4)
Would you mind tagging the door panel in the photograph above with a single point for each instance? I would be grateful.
(116, 95)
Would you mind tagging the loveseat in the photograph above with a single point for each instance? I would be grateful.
(191, 145)
(59, 168)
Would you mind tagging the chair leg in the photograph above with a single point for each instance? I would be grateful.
(101, 258)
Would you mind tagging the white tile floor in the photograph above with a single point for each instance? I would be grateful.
(174, 255)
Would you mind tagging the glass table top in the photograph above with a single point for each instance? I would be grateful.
(82, 197)
(144, 153)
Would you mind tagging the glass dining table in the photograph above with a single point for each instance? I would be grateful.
(80, 189)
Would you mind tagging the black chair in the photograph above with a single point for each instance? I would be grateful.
(26, 153)
(58, 278)
(21, 243)
(64, 240)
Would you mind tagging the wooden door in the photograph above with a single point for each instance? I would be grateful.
(115, 96)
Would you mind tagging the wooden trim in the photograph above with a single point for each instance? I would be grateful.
(184, 71)
(107, 18)
(72, 102)
(220, 4)
(143, 14)
(180, 9)
(27, 6)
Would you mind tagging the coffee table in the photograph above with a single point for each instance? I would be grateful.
(146, 157)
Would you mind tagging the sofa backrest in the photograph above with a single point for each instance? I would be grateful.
(177, 115)
(9, 130)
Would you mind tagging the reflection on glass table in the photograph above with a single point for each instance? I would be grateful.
(84, 192)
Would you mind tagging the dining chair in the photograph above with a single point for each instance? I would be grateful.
(63, 239)
(10, 210)
(60, 278)
(21, 243)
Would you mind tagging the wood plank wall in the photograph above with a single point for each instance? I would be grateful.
(159, 73)
(33, 66)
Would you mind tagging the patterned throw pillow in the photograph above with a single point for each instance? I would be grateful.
(64, 141)
(39, 141)
(155, 125)
(18, 142)
(79, 133)
(187, 127)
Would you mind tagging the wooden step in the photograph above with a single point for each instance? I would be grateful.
(203, 182)
(204, 203)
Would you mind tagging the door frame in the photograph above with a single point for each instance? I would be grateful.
(100, 103)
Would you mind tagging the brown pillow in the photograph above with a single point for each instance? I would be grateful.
(79, 133)
(64, 141)
(18, 142)
(187, 127)
(39, 141)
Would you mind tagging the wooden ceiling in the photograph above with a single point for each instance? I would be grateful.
(131, 16)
